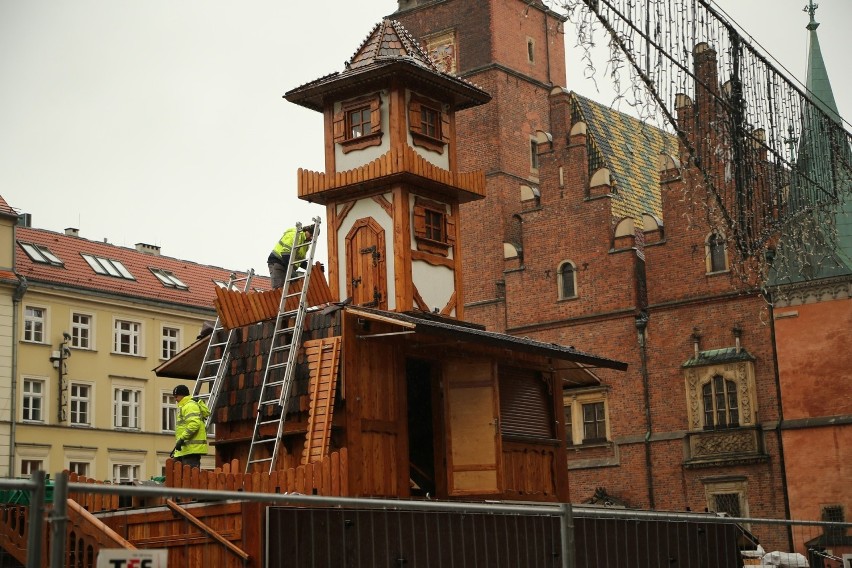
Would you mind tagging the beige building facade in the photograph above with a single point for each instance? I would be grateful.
(83, 324)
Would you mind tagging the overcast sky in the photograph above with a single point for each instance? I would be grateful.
(162, 121)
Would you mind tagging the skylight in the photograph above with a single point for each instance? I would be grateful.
(40, 254)
(108, 267)
(168, 279)
(221, 284)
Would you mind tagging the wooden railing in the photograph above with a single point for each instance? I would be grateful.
(399, 159)
(14, 524)
(327, 477)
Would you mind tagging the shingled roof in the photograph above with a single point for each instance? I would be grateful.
(630, 149)
(74, 271)
(388, 50)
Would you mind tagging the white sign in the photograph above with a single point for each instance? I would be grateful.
(123, 558)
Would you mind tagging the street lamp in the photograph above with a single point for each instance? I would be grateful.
(58, 359)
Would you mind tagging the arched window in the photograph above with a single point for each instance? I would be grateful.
(567, 280)
(721, 407)
(717, 255)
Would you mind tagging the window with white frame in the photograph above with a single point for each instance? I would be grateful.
(586, 419)
(81, 331)
(125, 472)
(170, 342)
(126, 407)
(80, 401)
(35, 319)
(168, 413)
(127, 337)
(33, 407)
(30, 466)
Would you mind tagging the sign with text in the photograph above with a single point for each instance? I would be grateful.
(123, 558)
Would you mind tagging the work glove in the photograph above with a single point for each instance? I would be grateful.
(178, 446)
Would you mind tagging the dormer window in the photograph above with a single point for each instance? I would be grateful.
(108, 267)
(358, 123)
(168, 279)
(40, 254)
(428, 123)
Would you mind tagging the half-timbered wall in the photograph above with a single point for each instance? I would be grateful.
(368, 208)
(348, 160)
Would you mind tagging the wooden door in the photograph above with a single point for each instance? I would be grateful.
(473, 431)
(366, 277)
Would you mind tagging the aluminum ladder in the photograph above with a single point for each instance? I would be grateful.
(275, 388)
(208, 375)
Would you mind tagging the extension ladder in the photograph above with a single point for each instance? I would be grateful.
(275, 388)
(208, 375)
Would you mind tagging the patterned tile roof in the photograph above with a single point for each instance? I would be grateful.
(630, 149)
(75, 272)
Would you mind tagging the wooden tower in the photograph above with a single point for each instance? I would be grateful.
(391, 184)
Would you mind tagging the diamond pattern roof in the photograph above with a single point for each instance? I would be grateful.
(630, 149)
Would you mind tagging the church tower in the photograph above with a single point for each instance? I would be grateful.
(391, 185)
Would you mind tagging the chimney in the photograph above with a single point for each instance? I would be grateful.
(72, 232)
(153, 250)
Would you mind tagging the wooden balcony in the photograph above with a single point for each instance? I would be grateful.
(400, 164)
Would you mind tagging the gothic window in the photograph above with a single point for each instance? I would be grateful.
(716, 253)
(534, 155)
(721, 408)
(567, 276)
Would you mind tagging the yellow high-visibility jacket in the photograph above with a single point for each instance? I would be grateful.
(284, 246)
(190, 428)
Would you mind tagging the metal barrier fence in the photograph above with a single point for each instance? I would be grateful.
(235, 528)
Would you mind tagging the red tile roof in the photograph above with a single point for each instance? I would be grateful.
(77, 273)
(6, 208)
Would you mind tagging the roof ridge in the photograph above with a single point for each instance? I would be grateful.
(390, 40)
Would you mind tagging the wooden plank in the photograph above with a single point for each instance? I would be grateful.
(231, 547)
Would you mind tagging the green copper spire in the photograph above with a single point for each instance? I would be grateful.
(820, 244)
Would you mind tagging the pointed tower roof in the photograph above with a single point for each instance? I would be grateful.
(388, 50)
(824, 161)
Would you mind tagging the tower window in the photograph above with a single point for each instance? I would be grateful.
(428, 124)
(358, 122)
(435, 225)
(530, 50)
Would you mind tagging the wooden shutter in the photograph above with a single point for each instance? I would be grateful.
(339, 126)
(376, 115)
(445, 127)
(451, 230)
(414, 115)
(525, 405)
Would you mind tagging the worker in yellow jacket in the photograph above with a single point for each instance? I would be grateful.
(190, 430)
(280, 255)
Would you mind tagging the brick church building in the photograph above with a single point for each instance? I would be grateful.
(585, 237)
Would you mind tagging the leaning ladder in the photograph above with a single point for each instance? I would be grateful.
(285, 341)
(208, 375)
